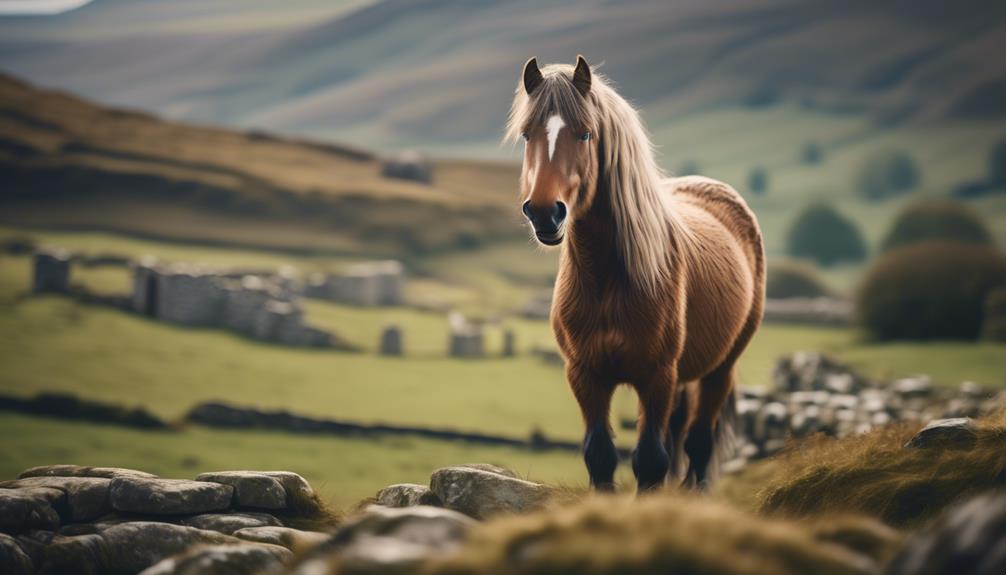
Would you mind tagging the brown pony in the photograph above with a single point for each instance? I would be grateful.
(661, 280)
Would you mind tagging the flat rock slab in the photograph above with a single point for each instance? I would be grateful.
(168, 496)
(29, 508)
(292, 539)
(228, 523)
(481, 494)
(960, 432)
(82, 471)
(125, 548)
(407, 495)
(251, 488)
(86, 497)
(13, 559)
(223, 560)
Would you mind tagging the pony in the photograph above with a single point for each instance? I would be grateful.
(661, 280)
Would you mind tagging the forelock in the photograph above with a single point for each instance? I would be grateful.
(555, 95)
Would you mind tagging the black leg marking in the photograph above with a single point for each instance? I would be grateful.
(601, 457)
(699, 447)
(649, 460)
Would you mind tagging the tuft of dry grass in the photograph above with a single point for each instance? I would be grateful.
(876, 475)
(665, 533)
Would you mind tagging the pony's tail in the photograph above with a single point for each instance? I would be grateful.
(724, 438)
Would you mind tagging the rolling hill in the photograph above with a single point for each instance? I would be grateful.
(69, 163)
(438, 73)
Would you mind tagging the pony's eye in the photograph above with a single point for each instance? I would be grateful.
(525, 136)
(585, 136)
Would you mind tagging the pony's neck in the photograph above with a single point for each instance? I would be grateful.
(592, 247)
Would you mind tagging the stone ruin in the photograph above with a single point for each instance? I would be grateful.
(812, 393)
(365, 284)
(253, 306)
(391, 341)
(51, 271)
(466, 337)
(409, 165)
(538, 306)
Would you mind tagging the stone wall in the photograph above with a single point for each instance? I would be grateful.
(812, 311)
(812, 393)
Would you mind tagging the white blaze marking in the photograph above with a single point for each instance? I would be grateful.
(553, 126)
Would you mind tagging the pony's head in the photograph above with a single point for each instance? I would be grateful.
(554, 114)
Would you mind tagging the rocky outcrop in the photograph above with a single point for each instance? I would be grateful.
(482, 493)
(971, 538)
(75, 519)
(812, 393)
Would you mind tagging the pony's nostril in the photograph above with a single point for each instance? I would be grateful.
(560, 212)
(526, 208)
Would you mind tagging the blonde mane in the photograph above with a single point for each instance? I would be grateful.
(646, 223)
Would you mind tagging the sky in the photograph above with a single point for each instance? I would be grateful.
(39, 6)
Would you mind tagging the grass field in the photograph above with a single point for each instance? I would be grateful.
(343, 470)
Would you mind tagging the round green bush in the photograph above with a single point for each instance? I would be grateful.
(792, 280)
(758, 181)
(931, 290)
(822, 234)
(888, 174)
(943, 220)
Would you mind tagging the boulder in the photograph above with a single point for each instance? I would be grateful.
(81, 471)
(407, 495)
(499, 470)
(251, 489)
(223, 560)
(431, 527)
(228, 523)
(13, 559)
(970, 538)
(388, 541)
(29, 508)
(955, 432)
(125, 548)
(86, 497)
(33, 543)
(382, 556)
(480, 493)
(168, 496)
(292, 539)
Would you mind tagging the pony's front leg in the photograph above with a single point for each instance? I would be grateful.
(594, 396)
(650, 460)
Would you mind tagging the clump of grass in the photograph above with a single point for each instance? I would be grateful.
(876, 475)
(662, 533)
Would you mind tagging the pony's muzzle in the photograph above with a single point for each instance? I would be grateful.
(547, 221)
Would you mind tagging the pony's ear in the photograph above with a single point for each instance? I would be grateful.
(532, 75)
(581, 76)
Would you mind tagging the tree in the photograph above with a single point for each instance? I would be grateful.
(944, 220)
(930, 290)
(758, 181)
(822, 234)
(794, 280)
(888, 174)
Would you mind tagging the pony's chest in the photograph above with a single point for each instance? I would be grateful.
(605, 328)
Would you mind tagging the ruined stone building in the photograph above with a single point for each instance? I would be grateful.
(252, 306)
(364, 284)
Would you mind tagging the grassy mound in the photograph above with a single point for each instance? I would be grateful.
(876, 476)
(794, 280)
(667, 533)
